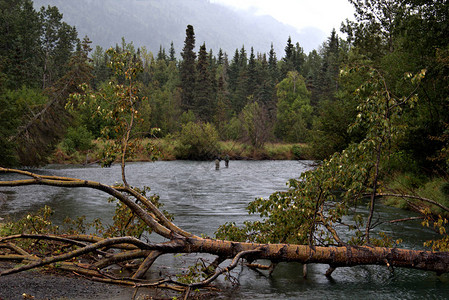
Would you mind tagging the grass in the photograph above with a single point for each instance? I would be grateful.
(163, 149)
(275, 151)
(436, 188)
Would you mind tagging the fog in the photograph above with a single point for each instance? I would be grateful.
(152, 23)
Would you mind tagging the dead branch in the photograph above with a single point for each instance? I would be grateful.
(88, 249)
(51, 238)
(406, 219)
(147, 263)
(224, 270)
(121, 257)
(14, 248)
(258, 267)
(430, 201)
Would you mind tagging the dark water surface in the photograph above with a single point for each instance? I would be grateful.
(201, 198)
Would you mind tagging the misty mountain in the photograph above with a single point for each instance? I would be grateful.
(152, 23)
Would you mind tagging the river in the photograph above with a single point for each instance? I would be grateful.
(201, 198)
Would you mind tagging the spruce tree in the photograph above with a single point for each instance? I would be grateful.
(172, 53)
(328, 73)
(288, 59)
(252, 74)
(58, 42)
(289, 50)
(213, 74)
(203, 98)
(234, 71)
(266, 86)
(243, 58)
(220, 57)
(272, 65)
(161, 55)
(223, 111)
(298, 58)
(187, 70)
(311, 70)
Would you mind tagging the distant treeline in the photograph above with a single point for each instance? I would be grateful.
(225, 91)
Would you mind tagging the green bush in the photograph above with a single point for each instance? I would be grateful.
(232, 130)
(77, 139)
(197, 141)
(297, 151)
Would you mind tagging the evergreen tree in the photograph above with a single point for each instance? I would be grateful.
(252, 74)
(327, 79)
(172, 53)
(377, 25)
(101, 71)
(289, 51)
(187, 70)
(161, 55)
(312, 66)
(266, 85)
(298, 58)
(243, 58)
(213, 66)
(288, 60)
(204, 100)
(9, 121)
(240, 95)
(220, 57)
(234, 69)
(20, 45)
(223, 110)
(45, 127)
(58, 42)
(272, 65)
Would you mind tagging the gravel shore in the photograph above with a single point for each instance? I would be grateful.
(43, 286)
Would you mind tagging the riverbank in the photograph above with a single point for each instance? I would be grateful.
(164, 149)
(41, 284)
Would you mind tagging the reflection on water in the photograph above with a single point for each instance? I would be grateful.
(201, 198)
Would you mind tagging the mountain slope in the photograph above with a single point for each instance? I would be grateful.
(152, 23)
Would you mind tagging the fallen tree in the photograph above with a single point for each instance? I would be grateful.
(104, 252)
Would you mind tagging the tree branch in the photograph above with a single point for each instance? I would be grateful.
(445, 208)
(227, 269)
(119, 240)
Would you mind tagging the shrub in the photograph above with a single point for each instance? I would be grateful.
(197, 141)
(297, 151)
(232, 130)
(77, 139)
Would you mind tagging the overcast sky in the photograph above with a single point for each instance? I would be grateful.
(322, 14)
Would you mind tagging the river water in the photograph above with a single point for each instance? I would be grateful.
(201, 198)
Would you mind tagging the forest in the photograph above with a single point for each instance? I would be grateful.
(228, 92)
(370, 108)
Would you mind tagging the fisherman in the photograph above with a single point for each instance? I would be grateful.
(226, 161)
(217, 163)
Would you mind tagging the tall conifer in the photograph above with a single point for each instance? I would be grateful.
(272, 65)
(252, 74)
(172, 53)
(187, 70)
(204, 100)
